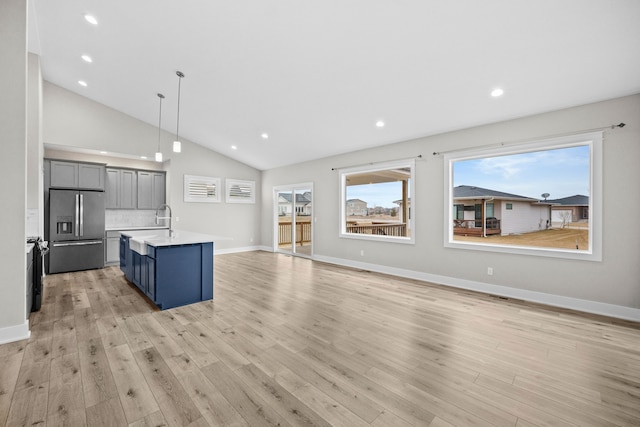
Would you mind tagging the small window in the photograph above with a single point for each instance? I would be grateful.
(201, 189)
(509, 206)
(239, 191)
(376, 202)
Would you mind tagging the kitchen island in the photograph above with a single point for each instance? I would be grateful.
(171, 268)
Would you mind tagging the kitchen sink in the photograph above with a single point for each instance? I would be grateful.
(139, 245)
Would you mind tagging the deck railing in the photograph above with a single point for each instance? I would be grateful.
(474, 226)
(396, 229)
(303, 233)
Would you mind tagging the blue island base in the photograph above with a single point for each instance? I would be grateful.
(171, 276)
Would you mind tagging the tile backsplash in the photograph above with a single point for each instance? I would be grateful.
(115, 218)
(33, 221)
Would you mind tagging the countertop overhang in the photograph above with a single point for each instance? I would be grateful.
(180, 237)
(132, 227)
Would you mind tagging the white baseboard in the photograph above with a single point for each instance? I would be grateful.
(243, 249)
(594, 307)
(15, 333)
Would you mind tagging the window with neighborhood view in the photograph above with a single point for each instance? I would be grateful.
(540, 198)
(377, 201)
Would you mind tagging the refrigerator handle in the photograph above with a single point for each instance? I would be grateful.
(81, 215)
(77, 215)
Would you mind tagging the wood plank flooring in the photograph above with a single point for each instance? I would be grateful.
(288, 341)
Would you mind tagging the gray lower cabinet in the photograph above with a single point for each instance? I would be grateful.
(151, 189)
(87, 176)
(121, 189)
(112, 248)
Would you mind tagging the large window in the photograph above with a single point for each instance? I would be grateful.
(376, 202)
(538, 198)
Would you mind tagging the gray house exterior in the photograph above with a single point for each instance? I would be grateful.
(356, 207)
(573, 209)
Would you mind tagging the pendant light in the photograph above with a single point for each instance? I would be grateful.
(159, 153)
(177, 146)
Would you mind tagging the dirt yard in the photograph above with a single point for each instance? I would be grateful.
(563, 238)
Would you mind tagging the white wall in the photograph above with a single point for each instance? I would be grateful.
(523, 218)
(613, 281)
(35, 201)
(13, 164)
(72, 121)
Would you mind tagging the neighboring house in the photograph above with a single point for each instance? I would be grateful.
(481, 211)
(400, 210)
(303, 204)
(356, 207)
(569, 209)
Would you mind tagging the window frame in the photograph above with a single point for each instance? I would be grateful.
(192, 198)
(230, 198)
(375, 167)
(595, 142)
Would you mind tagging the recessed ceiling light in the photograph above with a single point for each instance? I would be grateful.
(86, 58)
(91, 19)
(497, 92)
(233, 147)
(265, 136)
(380, 124)
(103, 152)
(143, 157)
(82, 83)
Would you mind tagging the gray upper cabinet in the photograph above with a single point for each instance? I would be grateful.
(64, 174)
(112, 190)
(159, 189)
(85, 176)
(121, 191)
(91, 177)
(134, 189)
(151, 189)
(128, 189)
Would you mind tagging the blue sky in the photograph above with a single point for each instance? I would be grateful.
(383, 194)
(562, 173)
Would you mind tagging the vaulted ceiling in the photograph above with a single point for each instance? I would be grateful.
(316, 76)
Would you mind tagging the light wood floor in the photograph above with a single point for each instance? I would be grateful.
(292, 342)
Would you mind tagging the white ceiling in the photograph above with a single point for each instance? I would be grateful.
(317, 75)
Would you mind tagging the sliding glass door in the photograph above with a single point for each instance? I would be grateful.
(294, 219)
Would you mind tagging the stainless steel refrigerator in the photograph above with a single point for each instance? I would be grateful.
(76, 230)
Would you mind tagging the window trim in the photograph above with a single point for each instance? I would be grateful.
(190, 198)
(593, 139)
(373, 167)
(229, 198)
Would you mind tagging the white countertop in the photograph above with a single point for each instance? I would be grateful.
(161, 237)
(131, 227)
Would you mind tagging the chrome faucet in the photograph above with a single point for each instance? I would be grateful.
(163, 206)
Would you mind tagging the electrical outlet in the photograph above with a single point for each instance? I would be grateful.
(362, 252)
(251, 240)
(177, 219)
(490, 271)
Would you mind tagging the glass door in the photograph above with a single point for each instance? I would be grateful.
(294, 219)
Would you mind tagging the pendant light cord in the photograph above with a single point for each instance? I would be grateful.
(180, 75)
(161, 96)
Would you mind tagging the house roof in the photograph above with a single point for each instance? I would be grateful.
(300, 198)
(577, 200)
(356, 200)
(472, 192)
